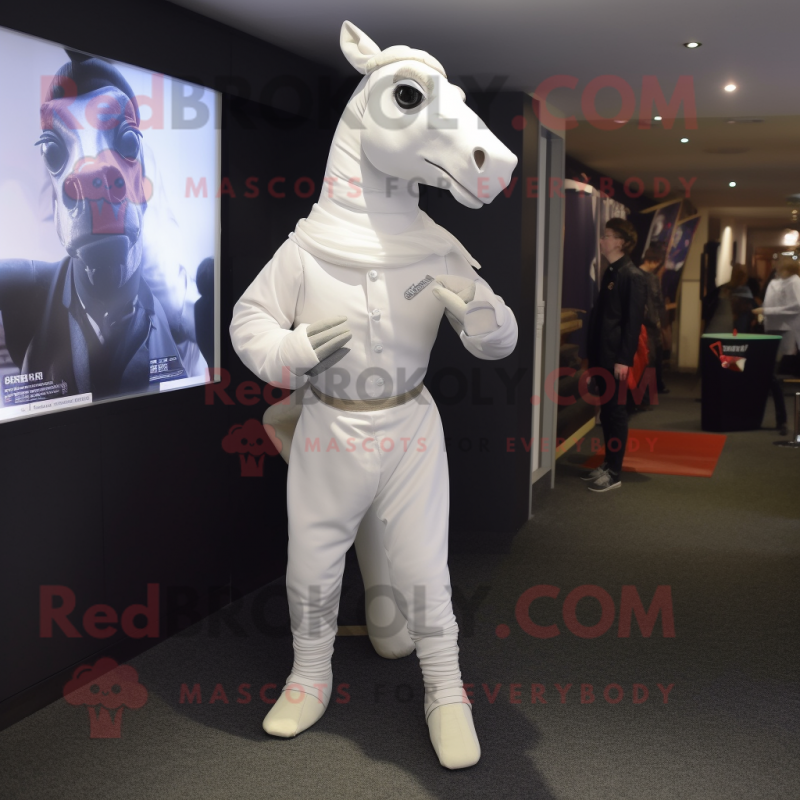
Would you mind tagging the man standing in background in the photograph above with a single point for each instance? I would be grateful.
(614, 327)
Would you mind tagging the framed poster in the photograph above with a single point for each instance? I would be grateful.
(663, 225)
(109, 235)
(676, 256)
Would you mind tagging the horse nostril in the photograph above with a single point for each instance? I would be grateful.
(479, 156)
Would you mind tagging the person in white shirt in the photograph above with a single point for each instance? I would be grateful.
(781, 311)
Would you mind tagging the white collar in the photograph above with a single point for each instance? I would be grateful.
(349, 240)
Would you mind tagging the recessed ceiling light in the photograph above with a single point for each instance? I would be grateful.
(692, 45)
(657, 119)
(684, 140)
(732, 184)
(731, 87)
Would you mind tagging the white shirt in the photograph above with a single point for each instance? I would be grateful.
(391, 312)
(782, 310)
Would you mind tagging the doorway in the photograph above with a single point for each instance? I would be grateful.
(547, 293)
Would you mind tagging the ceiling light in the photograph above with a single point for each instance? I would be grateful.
(731, 87)
(657, 119)
(684, 140)
(692, 45)
(732, 184)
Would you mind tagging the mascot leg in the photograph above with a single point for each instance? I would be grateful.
(386, 624)
(413, 500)
(329, 490)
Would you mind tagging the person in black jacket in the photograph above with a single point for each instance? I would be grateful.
(614, 326)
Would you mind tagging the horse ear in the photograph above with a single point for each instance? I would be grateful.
(357, 47)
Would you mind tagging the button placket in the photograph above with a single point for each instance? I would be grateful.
(377, 303)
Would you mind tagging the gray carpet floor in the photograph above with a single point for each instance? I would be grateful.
(727, 546)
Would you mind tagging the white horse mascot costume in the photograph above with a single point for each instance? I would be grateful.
(362, 435)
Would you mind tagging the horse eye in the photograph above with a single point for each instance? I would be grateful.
(128, 145)
(55, 155)
(407, 96)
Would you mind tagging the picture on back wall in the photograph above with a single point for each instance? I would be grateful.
(676, 256)
(663, 225)
(107, 259)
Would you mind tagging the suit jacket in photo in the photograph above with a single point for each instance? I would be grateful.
(48, 331)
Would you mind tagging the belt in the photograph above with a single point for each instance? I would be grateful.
(372, 404)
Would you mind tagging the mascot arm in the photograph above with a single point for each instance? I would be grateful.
(261, 328)
(485, 324)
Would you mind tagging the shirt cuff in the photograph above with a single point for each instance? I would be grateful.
(296, 352)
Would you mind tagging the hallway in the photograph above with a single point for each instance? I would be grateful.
(717, 717)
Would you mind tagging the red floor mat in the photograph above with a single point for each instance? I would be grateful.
(669, 453)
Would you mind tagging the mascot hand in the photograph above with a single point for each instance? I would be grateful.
(327, 337)
(476, 317)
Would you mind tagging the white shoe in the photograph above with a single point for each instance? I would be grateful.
(596, 473)
(453, 735)
(608, 480)
(300, 705)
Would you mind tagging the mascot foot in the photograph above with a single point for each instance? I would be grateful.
(453, 736)
(298, 707)
(398, 646)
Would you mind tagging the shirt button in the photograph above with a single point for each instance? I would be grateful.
(376, 314)
(372, 275)
(378, 348)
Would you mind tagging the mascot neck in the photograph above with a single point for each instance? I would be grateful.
(391, 204)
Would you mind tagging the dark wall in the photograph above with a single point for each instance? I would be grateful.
(574, 168)
(107, 499)
(485, 403)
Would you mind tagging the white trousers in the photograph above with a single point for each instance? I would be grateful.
(391, 463)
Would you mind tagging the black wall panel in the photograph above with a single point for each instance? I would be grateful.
(52, 535)
(107, 499)
(490, 484)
